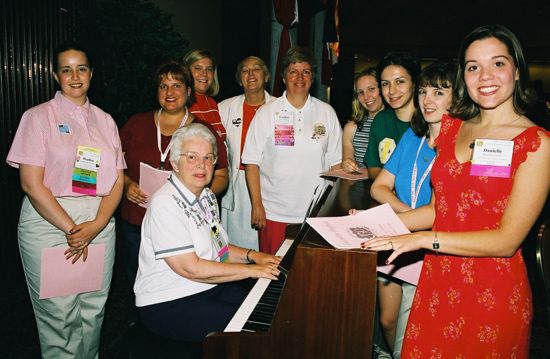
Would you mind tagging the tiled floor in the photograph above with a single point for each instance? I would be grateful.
(19, 340)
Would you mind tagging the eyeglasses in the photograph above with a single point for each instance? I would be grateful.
(194, 158)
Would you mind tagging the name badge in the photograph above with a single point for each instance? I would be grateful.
(284, 118)
(85, 170)
(492, 158)
(219, 244)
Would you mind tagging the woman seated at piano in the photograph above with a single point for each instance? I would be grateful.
(190, 281)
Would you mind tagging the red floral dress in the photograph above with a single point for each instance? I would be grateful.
(468, 307)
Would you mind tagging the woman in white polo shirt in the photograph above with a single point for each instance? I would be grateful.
(290, 142)
(189, 277)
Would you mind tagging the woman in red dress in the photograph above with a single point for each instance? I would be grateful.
(473, 298)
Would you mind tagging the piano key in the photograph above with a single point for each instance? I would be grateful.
(243, 313)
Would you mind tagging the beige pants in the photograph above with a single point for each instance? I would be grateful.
(68, 326)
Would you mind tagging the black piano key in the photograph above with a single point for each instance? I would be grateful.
(261, 317)
(256, 327)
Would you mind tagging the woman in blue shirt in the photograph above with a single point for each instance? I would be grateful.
(404, 183)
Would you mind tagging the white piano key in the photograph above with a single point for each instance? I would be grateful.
(243, 313)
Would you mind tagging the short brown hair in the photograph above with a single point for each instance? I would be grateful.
(298, 54)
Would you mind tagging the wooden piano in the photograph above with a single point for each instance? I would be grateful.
(323, 307)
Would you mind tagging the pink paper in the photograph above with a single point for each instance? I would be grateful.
(59, 277)
(151, 179)
(406, 267)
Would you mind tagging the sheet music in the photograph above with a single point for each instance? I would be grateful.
(350, 231)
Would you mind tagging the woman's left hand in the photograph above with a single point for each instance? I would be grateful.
(264, 258)
(82, 234)
(398, 244)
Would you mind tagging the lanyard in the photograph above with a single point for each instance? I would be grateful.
(165, 153)
(415, 190)
(208, 216)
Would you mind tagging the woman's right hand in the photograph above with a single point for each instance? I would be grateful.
(134, 193)
(349, 165)
(258, 217)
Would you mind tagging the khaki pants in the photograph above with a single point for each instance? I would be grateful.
(68, 326)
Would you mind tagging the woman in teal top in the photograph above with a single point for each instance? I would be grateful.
(397, 74)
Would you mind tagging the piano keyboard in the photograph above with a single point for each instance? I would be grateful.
(258, 308)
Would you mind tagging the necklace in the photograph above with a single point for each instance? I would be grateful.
(472, 144)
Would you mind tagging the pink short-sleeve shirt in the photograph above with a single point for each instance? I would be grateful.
(49, 134)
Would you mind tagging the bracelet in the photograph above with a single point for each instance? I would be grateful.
(248, 258)
(435, 244)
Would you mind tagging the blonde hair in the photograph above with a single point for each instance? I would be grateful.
(358, 112)
(198, 54)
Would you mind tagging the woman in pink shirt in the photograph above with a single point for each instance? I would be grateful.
(71, 168)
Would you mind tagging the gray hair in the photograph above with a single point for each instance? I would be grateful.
(194, 130)
(261, 63)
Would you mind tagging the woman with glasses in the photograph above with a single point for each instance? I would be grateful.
(237, 114)
(290, 142)
(189, 281)
(146, 139)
